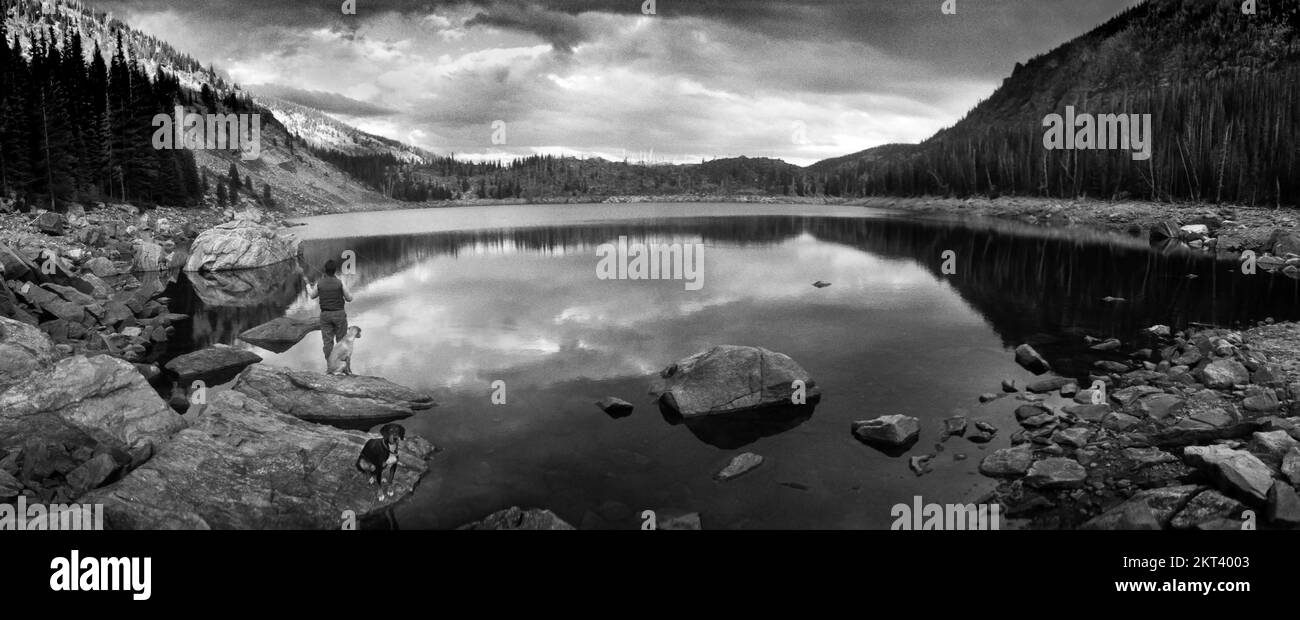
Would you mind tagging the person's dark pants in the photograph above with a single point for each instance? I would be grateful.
(333, 326)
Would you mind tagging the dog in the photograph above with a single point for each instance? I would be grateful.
(380, 453)
(341, 356)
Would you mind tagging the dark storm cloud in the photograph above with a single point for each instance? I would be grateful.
(699, 78)
(984, 35)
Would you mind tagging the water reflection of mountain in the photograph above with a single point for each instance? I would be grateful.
(1032, 284)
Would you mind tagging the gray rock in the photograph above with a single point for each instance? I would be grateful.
(954, 426)
(1052, 384)
(1146, 510)
(889, 430)
(516, 518)
(739, 466)
(1161, 406)
(728, 379)
(240, 244)
(1272, 446)
(353, 401)
(1119, 421)
(1014, 461)
(243, 465)
(1111, 366)
(1091, 413)
(101, 397)
(102, 267)
(920, 464)
(1034, 416)
(1030, 360)
(10, 487)
(1110, 344)
(1260, 399)
(1009, 386)
(1056, 473)
(615, 406)
(1283, 508)
(91, 474)
(1291, 466)
(214, 365)
(1207, 511)
(689, 521)
(1074, 437)
(1129, 395)
(280, 335)
(1237, 470)
(1223, 374)
(23, 350)
(1148, 456)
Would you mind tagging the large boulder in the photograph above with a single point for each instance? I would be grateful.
(23, 350)
(728, 379)
(516, 518)
(102, 396)
(348, 401)
(243, 465)
(240, 244)
(214, 365)
(280, 335)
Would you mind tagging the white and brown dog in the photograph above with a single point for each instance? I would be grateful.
(340, 362)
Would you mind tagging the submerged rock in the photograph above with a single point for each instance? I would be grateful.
(280, 335)
(615, 407)
(243, 465)
(728, 379)
(516, 518)
(739, 466)
(350, 401)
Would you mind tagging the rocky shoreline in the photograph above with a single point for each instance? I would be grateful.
(1195, 430)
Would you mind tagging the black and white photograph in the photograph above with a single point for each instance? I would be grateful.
(627, 266)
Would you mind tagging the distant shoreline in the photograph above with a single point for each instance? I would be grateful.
(1243, 228)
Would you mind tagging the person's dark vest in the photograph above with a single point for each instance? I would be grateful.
(330, 292)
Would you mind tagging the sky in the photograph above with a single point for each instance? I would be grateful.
(799, 80)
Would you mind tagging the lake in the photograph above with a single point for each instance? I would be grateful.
(452, 300)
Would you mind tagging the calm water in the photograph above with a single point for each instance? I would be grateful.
(451, 300)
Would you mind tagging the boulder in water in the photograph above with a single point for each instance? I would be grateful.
(728, 379)
(280, 335)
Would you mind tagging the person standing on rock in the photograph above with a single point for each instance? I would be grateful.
(332, 293)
